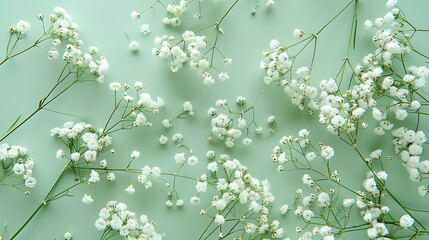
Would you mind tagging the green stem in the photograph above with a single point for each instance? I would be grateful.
(45, 201)
(332, 19)
(39, 40)
(390, 193)
(217, 24)
(41, 105)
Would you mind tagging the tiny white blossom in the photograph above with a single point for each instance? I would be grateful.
(130, 189)
(135, 15)
(219, 219)
(391, 3)
(87, 199)
(115, 86)
(67, 236)
(163, 139)
(298, 33)
(327, 152)
(406, 221)
(145, 29)
(23, 26)
(195, 200)
(60, 154)
(135, 154)
(284, 209)
(134, 46)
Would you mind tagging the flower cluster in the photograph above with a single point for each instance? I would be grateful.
(12, 163)
(277, 63)
(135, 107)
(402, 89)
(187, 111)
(321, 207)
(146, 172)
(192, 45)
(115, 217)
(236, 186)
(63, 29)
(383, 87)
(409, 145)
(376, 82)
(83, 140)
(282, 153)
(21, 27)
(176, 10)
(229, 126)
(188, 49)
(300, 90)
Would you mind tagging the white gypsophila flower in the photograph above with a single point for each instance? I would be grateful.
(227, 61)
(111, 177)
(60, 154)
(134, 46)
(422, 190)
(163, 139)
(307, 215)
(298, 33)
(103, 163)
(212, 167)
(22, 26)
(87, 199)
(167, 123)
(368, 24)
(169, 203)
(284, 209)
(382, 175)
(269, 3)
(130, 189)
(179, 158)
(219, 219)
(135, 154)
(192, 160)
(406, 221)
(56, 42)
(67, 236)
(75, 156)
(93, 49)
(304, 133)
(391, 3)
(370, 185)
(53, 53)
(223, 76)
(117, 217)
(327, 152)
(94, 177)
(325, 231)
(187, 107)
(201, 186)
(247, 141)
(145, 29)
(348, 202)
(195, 200)
(177, 137)
(135, 15)
(29, 182)
(138, 85)
(210, 154)
(179, 202)
(274, 44)
(376, 154)
(115, 86)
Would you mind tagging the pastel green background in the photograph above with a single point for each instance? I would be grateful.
(26, 78)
